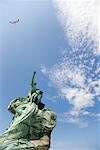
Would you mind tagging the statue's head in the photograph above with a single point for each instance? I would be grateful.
(14, 104)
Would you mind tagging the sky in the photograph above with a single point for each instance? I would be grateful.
(59, 39)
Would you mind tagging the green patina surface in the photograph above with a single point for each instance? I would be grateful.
(31, 121)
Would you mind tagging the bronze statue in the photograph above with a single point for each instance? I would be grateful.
(31, 125)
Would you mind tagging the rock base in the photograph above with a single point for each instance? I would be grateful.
(43, 143)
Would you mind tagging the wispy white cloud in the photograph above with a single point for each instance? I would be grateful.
(78, 117)
(80, 20)
(77, 75)
(73, 118)
(74, 87)
(53, 98)
(79, 98)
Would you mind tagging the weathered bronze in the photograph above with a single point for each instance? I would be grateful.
(32, 123)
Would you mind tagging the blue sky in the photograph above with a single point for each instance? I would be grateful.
(42, 41)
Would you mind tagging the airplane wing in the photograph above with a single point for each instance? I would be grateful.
(14, 22)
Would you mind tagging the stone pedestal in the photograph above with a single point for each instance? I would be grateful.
(43, 143)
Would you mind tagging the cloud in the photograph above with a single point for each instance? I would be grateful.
(79, 98)
(72, 117)
(63, 73)
(77, 75)
(78, 117)
(75, 88)
(80, 20)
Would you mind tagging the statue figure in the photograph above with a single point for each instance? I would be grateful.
(31, 125)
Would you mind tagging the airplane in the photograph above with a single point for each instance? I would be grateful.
(14, 22)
